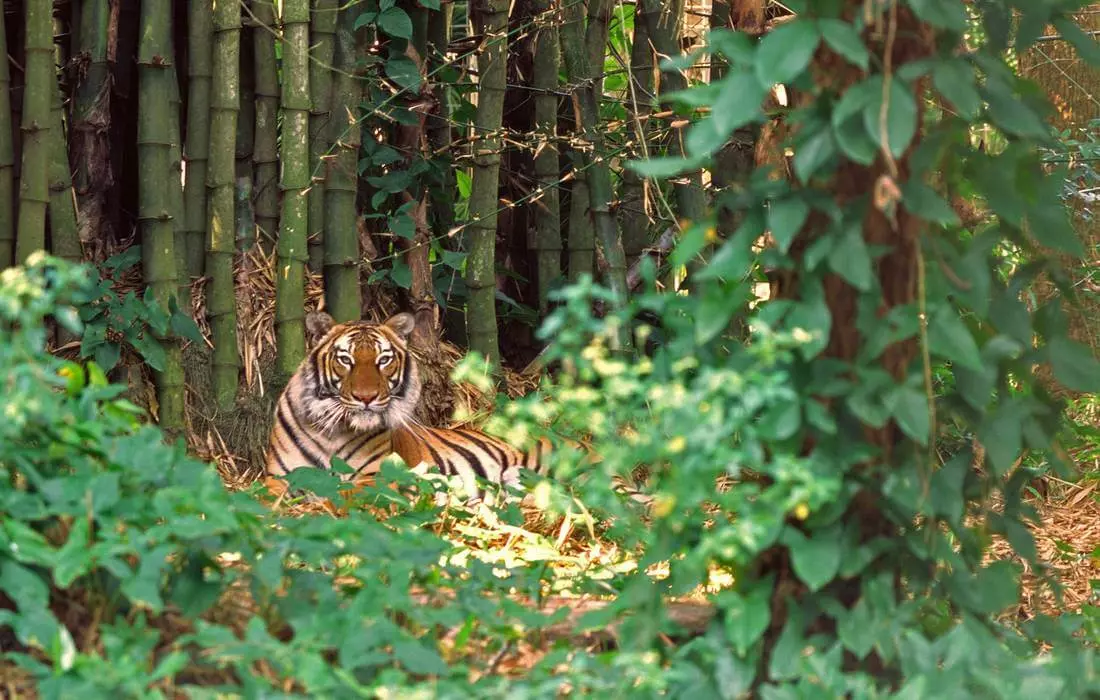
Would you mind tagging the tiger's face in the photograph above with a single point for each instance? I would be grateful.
(360, 376)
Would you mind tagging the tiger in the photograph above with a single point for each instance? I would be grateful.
(354, 395)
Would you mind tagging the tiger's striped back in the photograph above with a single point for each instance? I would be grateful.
(468, 454)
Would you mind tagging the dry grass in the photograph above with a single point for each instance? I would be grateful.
(1067, 539)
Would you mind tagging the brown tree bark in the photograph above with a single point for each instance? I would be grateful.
(896, 271)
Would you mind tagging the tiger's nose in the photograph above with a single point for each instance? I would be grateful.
(366, 396)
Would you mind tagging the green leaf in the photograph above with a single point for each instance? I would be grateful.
(737, 47)
(321, 482)
(664, 168)
(150, 349)
(107, 356)
(780, 421)
(847, 121)
(949, 338)
(785, 51)
(851, 260)
(813, 153)
(1001, 433)
(1010, 113)
(395, 22)
(738, 104)
(185, 327)
(75, 557)
(747, 614)
(946, 490)
(816, 559)
(418, 658)
(785, 220)
(402, 225)
(845, 40)
(364, 19)
(945, 14)
(26, 588)
(911, 413)
(1074, 365)
(734, 258)
(430, 4)
(719, 303)
(404, 72)
(925, 202)
(401, 274)
(691, 242)
(814, 317)
(901, 117)
(954, 78)
(856, 629)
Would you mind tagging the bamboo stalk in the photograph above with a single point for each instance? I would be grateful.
(582, 232)
(664, 22)
(594, 158)
(175, 191)
(492, 66)
(7, 158)
(155, 77)
(265, 155)
(221, 303)
(341, 245)
(633, 210)
(64, 239)
(197, 148)
(33, 177)
(245, 215)
(440, 132)
(91, 121)
(547, 210)
(292, 254)
(322, 38)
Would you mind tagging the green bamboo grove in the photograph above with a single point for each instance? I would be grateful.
(275, 157)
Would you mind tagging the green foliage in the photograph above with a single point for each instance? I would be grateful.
(111, 538)
(110, 319)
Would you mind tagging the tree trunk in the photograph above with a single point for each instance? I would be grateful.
(664, 22)
(292, 253)
(547, 61)
(39, 85)
(265, 155)
(93, 176)
(64, 239)
(221, 303)
(155, 77)
(634, 204)
(321, 99)
(7, 158)
(897, 278)
(492, 65)
(595, 161)
(197, 148)
(341, 245)
(245, 216)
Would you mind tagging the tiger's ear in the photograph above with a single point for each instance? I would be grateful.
(318, 323)
(403, 323)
